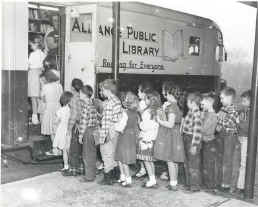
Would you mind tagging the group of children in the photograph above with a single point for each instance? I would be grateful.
(142, 130)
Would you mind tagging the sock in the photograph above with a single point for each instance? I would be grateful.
(152, 179)
(129, 179)
(66, 167)
(122, 177)
(173, 182)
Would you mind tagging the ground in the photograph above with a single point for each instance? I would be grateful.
(54, 190)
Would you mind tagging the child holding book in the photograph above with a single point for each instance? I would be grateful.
(126, 144)
(148, 133)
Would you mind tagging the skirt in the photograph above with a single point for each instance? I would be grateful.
(145, 151)
(126, 147)
(169, 145)
(34, 83)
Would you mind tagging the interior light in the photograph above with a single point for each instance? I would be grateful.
(110, 19)
(49, 8)
(74, 13)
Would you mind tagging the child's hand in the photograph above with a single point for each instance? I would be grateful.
(218, 128)
(193, 150)
(80, 140)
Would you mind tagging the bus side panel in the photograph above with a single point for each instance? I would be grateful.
(14, 73)
(154, 55)
(80, 54)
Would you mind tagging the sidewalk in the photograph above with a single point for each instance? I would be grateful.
(54, 190)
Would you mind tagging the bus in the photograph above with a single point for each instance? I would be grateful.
(156, 44)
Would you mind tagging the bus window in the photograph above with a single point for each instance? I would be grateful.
(173, 46)
(219, 53)
(194, 46)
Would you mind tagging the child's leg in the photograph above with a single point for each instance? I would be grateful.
(151, 172)
(127, 174)
(229, 147)
(122, 172)
(192, 165)
(209, 164)
(65, 159)
(173, 173)
(34, 101)
(142, 170)
(241, 179)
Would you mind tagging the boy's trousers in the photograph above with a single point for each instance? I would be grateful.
(89, 153)
(210, 162)
(75, 153)
(108, 151)
(192, 163)
(231, 159)
(241, 179)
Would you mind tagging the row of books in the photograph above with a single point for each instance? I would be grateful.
(34, 27)
(38, 14)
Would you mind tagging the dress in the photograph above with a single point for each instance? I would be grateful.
(126, 144)
(148, 133)
(62, 140)
(51, 93)
(35, 64)
(169, 143)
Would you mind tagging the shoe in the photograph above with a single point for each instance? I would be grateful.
(115, 174)
(164, 176)
(69, 173)
(35, 119)
(86, 180)
(126, 184)
(172, 188)
(195, 189)
(150, 185)
(107, 179)
(141, 174)
(224, 190)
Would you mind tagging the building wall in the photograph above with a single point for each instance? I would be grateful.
(14, 71)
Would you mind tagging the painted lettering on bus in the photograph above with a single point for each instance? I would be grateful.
(79, 27)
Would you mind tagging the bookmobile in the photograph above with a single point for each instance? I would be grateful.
(156, 44)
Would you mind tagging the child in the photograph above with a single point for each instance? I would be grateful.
(126, 144)
(228, 120)
(169, 144)
(112, 112)
(35, 68)
(209, 147)
(75, 152)
(142, 90)
(192, 135)
(243, 135)
(62, 138)
(88, 124)
(149, 130)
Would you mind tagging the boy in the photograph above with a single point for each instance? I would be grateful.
(88, 124)
(227, 127)
(112, 112)
(192, 136)
(243, 135)
(209, 148)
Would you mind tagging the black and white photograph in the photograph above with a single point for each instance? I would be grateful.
(129, 103)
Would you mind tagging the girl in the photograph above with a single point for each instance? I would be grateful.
(51, 93)
(62, 138)
(169, 143)
(142, 90)
(126, 144)
(35, 64)
(149, 129)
